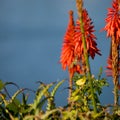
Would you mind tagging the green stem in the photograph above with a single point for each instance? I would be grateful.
(88, 65)
(116, 96)
(70, 87)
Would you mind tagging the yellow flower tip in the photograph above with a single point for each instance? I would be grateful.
(81, 81)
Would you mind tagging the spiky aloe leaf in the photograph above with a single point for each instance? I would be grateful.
(16, 93)
(3, 99)
(24, 99)
(51, 103)
(48, 113)
(42, 102)
(12, 98)
(3, 114)
(5, 94)
(56, 88)
(38, 100)
(29, 117)
(44, 116)
(25, 96)
(11, 83)
(13, 107)
(5, 89)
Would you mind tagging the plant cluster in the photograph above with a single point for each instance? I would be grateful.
(79, 45)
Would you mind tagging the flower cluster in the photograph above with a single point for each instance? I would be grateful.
(113, 21)
(72, 49)
(89, 37)
(112, 28)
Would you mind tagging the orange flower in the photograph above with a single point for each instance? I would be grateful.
(113, 21)
(89, 36)
(112, 28)
(72, 50)
(67, 55)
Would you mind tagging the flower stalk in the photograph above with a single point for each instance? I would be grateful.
(70, 86)
(115, 71)
(67, 58)
(79, 5)
(113, 31)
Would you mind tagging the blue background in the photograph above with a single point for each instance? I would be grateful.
(31, 35)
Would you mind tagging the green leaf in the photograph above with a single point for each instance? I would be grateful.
(81, 81)
(56, 88)
(51, 103)
(24, 99)
(39, 95)
(46, 115)
(14, 106)
(16, 93)
(11, 83)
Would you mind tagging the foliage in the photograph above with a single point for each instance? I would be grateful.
(11, 108)
(82, 94)
(44, 107)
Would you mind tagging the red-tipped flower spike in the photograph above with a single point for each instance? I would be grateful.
(72, 48)
(67, 55)
(89, 36)
(109, 67)
(112, 28)
(113, 21)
